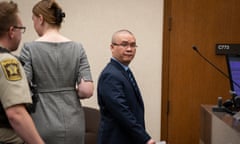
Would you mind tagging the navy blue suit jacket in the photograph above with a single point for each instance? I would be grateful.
(121, 107)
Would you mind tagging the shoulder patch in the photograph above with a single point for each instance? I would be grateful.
(11, 69)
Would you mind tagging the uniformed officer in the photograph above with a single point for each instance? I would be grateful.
(16, 125)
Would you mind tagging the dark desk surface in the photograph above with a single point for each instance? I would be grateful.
(218, 127)
(225, 117)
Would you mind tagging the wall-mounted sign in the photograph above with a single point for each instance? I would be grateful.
(223, 49)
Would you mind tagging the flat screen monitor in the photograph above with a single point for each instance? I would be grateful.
(233, 63)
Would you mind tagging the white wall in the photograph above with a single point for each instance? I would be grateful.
(92, 22)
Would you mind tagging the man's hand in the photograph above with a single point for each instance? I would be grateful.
(151, 141)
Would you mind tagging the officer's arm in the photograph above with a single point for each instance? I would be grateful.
(23, 125)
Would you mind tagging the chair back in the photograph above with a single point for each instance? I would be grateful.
(92, 119)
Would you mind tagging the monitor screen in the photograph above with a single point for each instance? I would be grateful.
(233, 63)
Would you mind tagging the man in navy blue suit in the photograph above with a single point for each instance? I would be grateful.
(119, 98)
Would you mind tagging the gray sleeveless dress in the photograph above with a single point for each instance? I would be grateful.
(56, 68)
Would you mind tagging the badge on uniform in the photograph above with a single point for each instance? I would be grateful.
(11, 69)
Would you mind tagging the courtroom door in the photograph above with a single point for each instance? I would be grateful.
(188, 80)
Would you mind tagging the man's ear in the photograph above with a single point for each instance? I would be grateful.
(11, 32)
(111, 46)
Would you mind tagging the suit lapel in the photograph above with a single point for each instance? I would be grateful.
(135, 88)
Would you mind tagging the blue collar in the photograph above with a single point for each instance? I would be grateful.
(124, 66)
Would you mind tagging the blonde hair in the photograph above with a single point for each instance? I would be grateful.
(50, 10)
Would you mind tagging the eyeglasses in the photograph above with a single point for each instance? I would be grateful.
(22, 28)
(126, 45)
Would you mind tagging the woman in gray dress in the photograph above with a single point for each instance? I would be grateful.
(60, 69)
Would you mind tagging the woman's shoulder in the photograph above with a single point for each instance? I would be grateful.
(36, 42)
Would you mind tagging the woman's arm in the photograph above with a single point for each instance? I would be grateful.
(85, 89)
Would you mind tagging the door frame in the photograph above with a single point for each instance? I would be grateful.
(165, 69)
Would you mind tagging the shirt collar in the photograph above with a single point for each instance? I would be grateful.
(124, 66)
